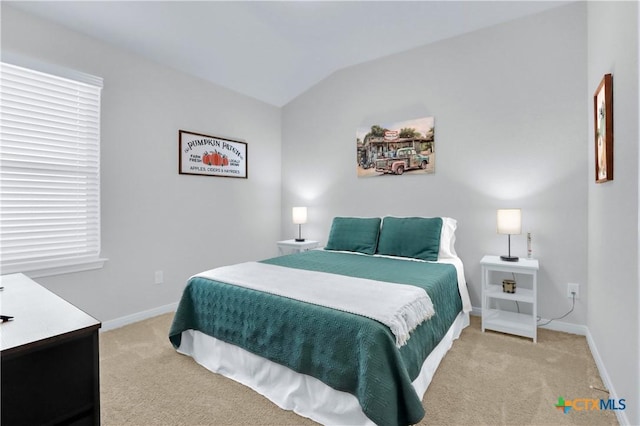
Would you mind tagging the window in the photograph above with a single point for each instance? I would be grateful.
(49, 172)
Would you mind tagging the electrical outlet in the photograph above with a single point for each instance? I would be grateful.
(159, 277)
(573, 288)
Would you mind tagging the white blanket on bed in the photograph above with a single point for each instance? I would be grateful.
(398, 306)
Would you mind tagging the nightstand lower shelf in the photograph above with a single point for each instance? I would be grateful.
(509, 322)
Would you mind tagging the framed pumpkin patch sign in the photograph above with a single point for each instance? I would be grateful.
(200, 154)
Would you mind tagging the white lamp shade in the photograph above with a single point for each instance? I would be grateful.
(509, 221)
(299, 215)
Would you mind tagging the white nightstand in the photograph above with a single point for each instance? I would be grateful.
(293, 246)
(493, 271)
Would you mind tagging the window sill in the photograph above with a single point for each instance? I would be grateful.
(79, 266)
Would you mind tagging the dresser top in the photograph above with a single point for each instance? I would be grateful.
(39, 315)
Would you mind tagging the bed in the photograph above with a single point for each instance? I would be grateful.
(348, 334)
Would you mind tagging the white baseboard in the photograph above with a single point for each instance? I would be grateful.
(565, 327)
(138, 316)
(604, 375)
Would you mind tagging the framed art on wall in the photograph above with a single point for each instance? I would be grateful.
(603, 127)
(396, 148)
(206, 155)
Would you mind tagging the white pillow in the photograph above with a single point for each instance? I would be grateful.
(448, 239)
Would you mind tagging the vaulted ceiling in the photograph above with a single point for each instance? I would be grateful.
(274, 50)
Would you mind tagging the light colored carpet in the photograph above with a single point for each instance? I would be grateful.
(486, 378)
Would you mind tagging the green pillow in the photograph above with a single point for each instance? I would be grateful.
(415, 237)
(354, 234)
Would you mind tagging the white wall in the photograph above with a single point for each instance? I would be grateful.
(613, 318)
(153, 218)
(510, 128)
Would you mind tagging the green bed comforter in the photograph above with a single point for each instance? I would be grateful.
(348, 352)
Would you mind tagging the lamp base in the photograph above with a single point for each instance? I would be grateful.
(509, 258)
(300, 240)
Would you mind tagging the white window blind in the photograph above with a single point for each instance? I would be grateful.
(49, 171)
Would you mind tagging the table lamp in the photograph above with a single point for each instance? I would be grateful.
(299, 217)
(509, 222)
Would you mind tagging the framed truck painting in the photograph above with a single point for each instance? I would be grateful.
(405, 147)
(603, 126)
(211, 156)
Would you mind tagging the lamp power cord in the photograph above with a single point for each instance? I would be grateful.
(538, 319)
(573, 305)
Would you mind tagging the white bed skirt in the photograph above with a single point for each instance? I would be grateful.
(289, 390)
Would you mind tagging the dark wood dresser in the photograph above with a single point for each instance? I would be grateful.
(49, 358)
